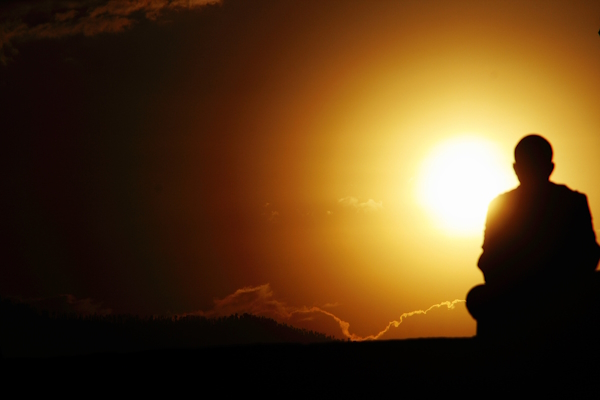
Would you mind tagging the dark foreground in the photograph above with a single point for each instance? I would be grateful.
(417, 367)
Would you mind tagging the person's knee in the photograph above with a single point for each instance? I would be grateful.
(477, 298)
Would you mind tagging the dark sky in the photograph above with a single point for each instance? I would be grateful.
(120, 142)
(132, 157)
(158, 154)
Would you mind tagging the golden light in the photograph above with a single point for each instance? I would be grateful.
(459, 179)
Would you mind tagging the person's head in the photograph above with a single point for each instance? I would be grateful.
(533, 160)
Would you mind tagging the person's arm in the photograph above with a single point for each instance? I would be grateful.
(588, 251)
(490, 260)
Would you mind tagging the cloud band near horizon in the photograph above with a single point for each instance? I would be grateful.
(259, 300)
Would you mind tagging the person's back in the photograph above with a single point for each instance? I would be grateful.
(539, 242)
(541, 235)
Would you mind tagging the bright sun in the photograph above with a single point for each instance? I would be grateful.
(459, 179)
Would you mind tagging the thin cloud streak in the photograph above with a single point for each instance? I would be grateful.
(368, 206)
(259, 300)
(395, 324)
(82, 18)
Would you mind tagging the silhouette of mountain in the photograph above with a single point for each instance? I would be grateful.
(28, 332)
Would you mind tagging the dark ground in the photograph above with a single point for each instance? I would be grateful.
(418, 367)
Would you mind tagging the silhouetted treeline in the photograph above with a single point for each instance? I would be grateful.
(26, 331)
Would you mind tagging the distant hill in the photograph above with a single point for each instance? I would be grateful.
(28, 332)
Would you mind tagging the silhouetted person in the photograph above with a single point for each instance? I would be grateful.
(539, 252)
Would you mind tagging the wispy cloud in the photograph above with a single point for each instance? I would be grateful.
(89, 18)
(259, 300)
(396, 323)
(368, 206)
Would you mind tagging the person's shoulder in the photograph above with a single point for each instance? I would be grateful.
(504, 199)
(567, 191)
(570, 198)
(506, 196)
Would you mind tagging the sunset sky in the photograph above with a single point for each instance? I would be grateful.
(321, 162)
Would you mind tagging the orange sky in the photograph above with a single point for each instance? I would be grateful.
(160, 157)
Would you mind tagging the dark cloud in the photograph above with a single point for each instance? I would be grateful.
(57, 19)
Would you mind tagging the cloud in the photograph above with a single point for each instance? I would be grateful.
(270, 215)
(274, 217)
(396, 323)
(256, 300)
(88, 18)
(369, 206)
(259, 300)
(62, 17)
(67, 304)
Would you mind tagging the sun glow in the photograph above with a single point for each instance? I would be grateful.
(459, 179)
